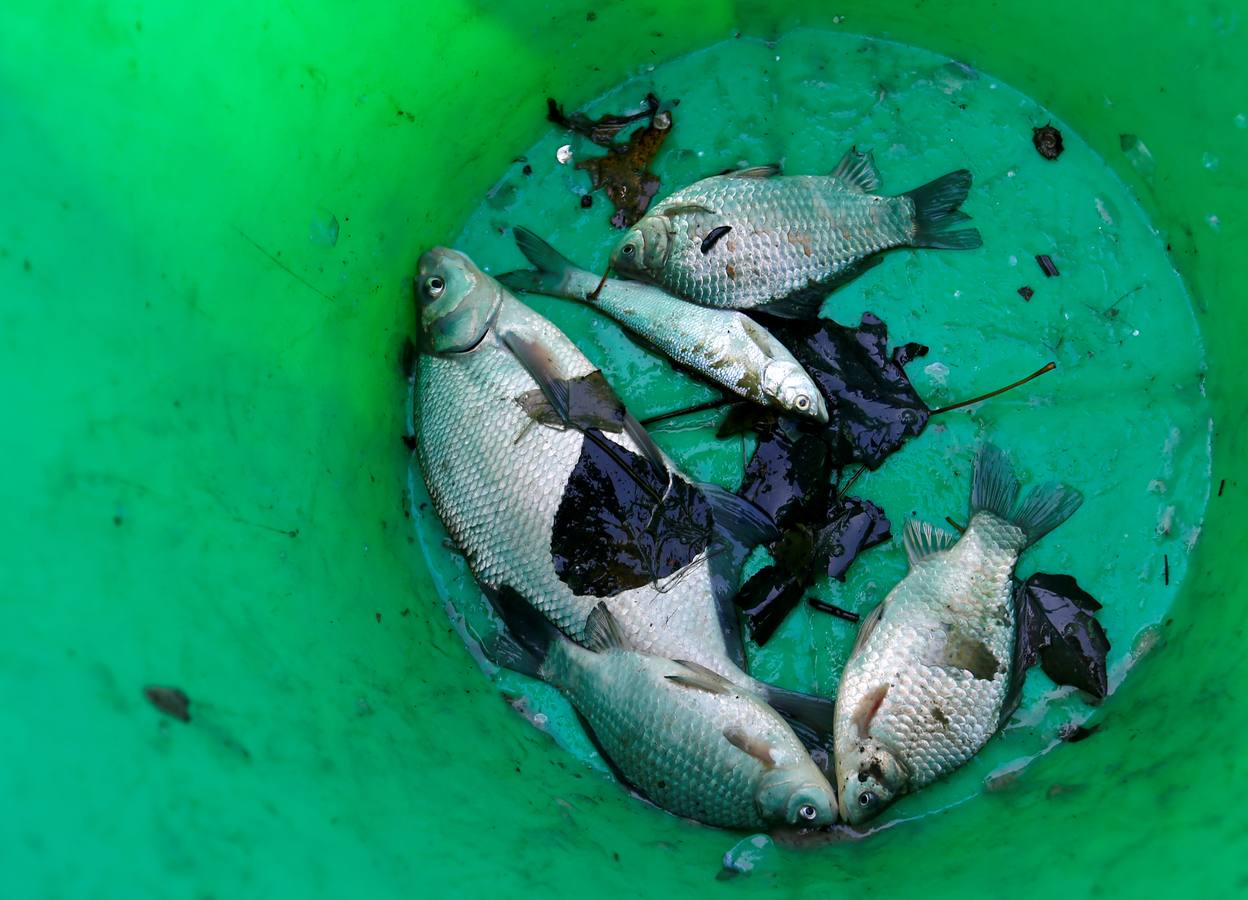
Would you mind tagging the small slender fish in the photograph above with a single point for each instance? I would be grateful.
(683, 737)
(926, 682)
(725, 347)
(753, 239)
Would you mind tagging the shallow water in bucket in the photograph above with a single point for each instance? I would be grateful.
(1124, 417)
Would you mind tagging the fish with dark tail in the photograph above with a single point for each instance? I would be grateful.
(793, 239)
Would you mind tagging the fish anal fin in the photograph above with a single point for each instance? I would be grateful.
(922, 539)
(857, 172)
(603, 631)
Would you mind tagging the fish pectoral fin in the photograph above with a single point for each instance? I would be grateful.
(857, 172)
(867, 708)
(582, 401)
(701, 678)
(603, 631)
(767, 171)
(752, 746)
(803, 304)
(969, 653)
(923, 539)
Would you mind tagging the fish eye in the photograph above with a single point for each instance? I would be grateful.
(434, 286)
(807, 812)
(866, 798)
(628, 250)
(802, 403)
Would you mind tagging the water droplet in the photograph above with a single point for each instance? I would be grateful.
(1215, 223)
(323, 231)
(1241, 121)
(1209, 161)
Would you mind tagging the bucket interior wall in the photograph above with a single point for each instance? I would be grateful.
(203, 480)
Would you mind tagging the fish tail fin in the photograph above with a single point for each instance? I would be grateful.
(740, 519)
(527, 635)
(995, 488)
(936, 207)
(555, 274)
(810, 717)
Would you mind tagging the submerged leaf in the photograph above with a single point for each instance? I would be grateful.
(787, 474)
(853, 525)
(872, 406)
(1056, 626)
(610, 534)
(766, 598)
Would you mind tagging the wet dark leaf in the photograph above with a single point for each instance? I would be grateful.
(1057, 627)
(610, 535)
(767, 597)
(787, 474)
(853, 525)
(601, 131)
(744, 417)
(872, 405)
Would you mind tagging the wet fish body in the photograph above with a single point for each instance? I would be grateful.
(497, 475)
(924, 687)
(686, 739)
(790, 239)
(724, 346)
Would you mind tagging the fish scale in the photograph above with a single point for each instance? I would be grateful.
(625, 696)
(964, 587)
(497, 478)
(925, 685)
(754, 239)
(787, 235)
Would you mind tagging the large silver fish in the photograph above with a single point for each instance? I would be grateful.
(753, 239)
(724, 346)
(681, 735)
(496, 465)
(925, 685)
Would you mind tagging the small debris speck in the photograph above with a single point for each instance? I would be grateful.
(171, 701)
(1073, 734)
(564, 154)
(1047, 266)
(1221, 487)
(586, 201)
(1048, 141)
(527, 170)
(1026, 293)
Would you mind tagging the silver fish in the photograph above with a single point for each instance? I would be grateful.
(681, 735)
(753, 239)
(724, 346)
(925, 684)
(497, 472)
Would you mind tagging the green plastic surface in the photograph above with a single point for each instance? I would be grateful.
(202, 481)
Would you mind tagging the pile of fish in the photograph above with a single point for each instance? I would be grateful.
(617, 579)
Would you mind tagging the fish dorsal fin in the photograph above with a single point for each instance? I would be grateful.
(760, 750)
(867, 626)
(857, 172)
(701, 678)
(768, 171)
(923, 539)
(603, 632)
(685, 209)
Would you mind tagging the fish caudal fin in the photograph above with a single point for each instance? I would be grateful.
(995, 489)
(555, 275)
(545, 257)
(527, 635)
(809, 716)
(936, 207)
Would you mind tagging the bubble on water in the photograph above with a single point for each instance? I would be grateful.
(1209, 161)
(1156, 486)
(1215, 223)
(937, 373)
(1013, 260)
(1241, 121)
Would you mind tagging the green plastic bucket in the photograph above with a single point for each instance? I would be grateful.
(203, 482)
